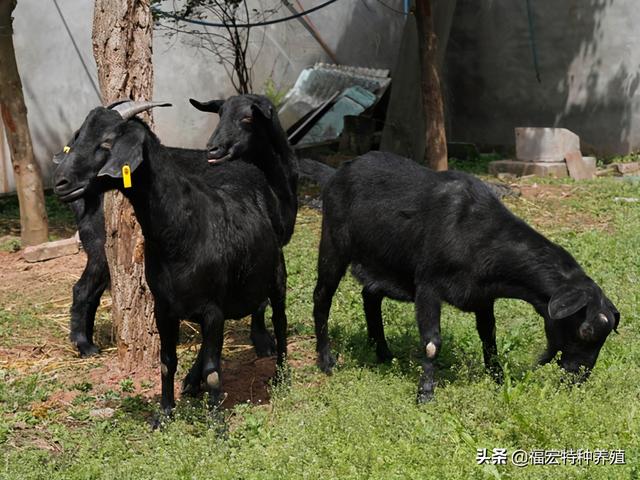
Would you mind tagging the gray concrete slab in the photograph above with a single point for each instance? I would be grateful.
(539, 169)
(535, 144)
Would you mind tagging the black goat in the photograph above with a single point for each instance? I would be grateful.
(249, 130)
(94, 280)
(211, 246)
(415, 235)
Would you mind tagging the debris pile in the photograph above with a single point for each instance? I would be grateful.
(314, 110)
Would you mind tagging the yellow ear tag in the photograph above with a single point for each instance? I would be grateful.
(126, 176)
(66, 149)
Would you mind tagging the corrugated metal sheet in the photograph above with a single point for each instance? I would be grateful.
(317, 84)
(353, 101)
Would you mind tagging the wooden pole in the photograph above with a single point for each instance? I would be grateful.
(26, 171)
(122, 47)
(432, 101)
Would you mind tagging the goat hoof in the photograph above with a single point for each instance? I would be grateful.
(326, 362)
(87, 349)
(191, 386)
(160, 419)
(218, 423)
(384, 355)
(497, 374)
(264, 344)
(424, 396)
(215, 398)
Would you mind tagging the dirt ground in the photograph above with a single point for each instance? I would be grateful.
(44, 288)
(544, 204)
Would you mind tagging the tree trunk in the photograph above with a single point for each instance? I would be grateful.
(432, 103)
(4, 181)
(122, 43)
(26, 171)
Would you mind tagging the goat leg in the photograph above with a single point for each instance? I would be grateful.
(262, 340)
(211, 350)
(428, 318)
(486, 326)
(86, 298)
(373, 313)
(192, 382)
(94, 279)
(279, 319)
(168, 328)
(331, 269)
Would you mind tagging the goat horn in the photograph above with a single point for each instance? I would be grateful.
(117, 102)
(130, 108)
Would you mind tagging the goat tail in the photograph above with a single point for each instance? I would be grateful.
(315, 171)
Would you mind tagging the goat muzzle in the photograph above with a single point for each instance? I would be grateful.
(218, 154)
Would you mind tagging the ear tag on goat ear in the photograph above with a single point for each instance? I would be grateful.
(66, 149)
(126, 176)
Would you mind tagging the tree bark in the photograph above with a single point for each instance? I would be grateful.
(122, 47)
(432, 104)
(33, 215)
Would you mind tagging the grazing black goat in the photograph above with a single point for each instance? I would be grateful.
(249, 130)
(212, 249)
(428, 237)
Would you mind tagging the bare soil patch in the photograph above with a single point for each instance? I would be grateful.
(45, 289)
(546, 207)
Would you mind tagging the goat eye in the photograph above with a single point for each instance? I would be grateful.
(247, 120)
(105, 146)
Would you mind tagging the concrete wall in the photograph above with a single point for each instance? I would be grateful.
(59, 94)
(589, 66)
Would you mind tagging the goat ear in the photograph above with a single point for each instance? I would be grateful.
(263, 108)
(615, 312)
(211, 106)
(126, 149)
(566, 302)
(616, 319)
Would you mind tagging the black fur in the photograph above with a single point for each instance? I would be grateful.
(212, 249)
(412, 234)
(94, 280)
(316, 171)
(249, 130)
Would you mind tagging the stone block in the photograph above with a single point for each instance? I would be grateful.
(545, 144)
(627, 168)
(580, 168)
(49, 250)
(519, 168)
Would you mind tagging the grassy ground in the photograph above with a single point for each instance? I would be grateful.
(362, 422)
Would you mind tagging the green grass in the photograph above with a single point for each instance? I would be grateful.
(631, 157)
(476, 164)
(363, 422)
